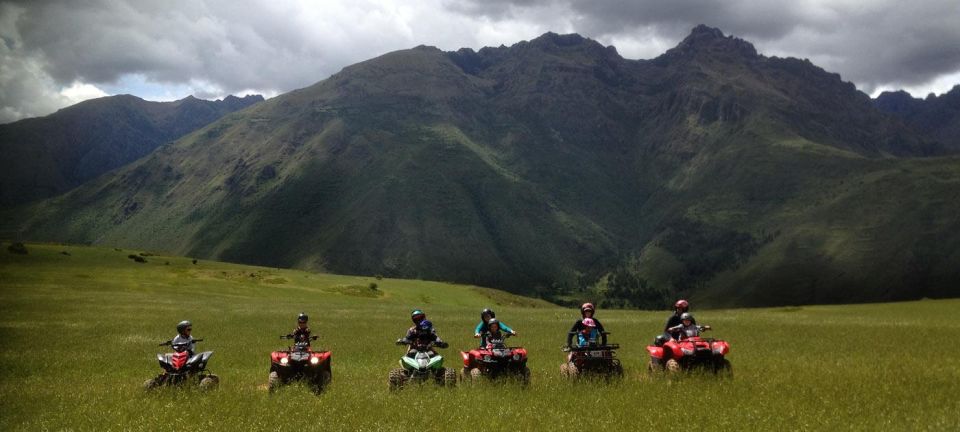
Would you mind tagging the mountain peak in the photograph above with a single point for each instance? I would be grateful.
(705, 40)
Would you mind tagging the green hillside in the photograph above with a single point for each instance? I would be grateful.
(81, 324)
(554, 167)
(46, 156)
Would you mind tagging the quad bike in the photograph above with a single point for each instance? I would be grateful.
(592, 359)
(421, 364)
(690, 353)
(182, 367)
(299, 362)
(496, 359)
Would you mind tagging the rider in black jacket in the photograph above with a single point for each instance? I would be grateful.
(586, 311)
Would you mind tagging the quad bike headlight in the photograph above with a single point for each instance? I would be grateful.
(314, 360)
(284, 361)
(516, 357)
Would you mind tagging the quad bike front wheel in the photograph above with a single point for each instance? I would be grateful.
(525, 376)
(449, 377)
(323, 379)
(569, 370)
(209, 382)
(274, 382)
(151, 384)
(724, 369)
(396, 379)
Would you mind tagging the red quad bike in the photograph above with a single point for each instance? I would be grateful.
(181, 367)
(299, 362)
(495, 360)
(592, 359)
(691, 353)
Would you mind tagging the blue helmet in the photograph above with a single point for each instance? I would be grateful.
(425, 326)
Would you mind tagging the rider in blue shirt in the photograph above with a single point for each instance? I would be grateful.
(482, 328)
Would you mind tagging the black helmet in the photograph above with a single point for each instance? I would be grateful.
(661, 339)
(686, 316)
(493, 321)
(489, 312)
(183, 325)
(303, 317)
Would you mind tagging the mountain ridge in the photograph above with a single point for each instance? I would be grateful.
(557, 169)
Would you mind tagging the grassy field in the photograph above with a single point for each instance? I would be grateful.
(79, 334)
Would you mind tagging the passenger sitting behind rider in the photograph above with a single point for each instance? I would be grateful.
(302, 332)
(687, 328)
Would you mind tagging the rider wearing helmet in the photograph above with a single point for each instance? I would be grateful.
(679, 308)
(302, 332)
(586, 311)
(417, 315)
(688, 327)
(184, 330)
(486, 316)
(422, 331)
(494, 332)
(588, 336)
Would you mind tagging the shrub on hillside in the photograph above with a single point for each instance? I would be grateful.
(137, 258)
(17, 248)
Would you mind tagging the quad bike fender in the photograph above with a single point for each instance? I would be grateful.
(720, 348)
(436, 362)
(277, 355)
(165, 362)
(655, 352)
(408, 363)
(322, 357)
(522, 352)
(467, 357)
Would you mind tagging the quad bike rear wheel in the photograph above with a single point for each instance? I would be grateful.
(273, 382)
(396, 379)
(209, 382)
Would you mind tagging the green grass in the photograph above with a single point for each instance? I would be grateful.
(79, 333)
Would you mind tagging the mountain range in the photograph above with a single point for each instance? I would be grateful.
(47, 156)
(558, 168)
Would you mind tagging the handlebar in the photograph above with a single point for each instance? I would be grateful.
(170, 342)
(290, 336)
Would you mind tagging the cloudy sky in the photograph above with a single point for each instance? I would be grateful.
(56, 53)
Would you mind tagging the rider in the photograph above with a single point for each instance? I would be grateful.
(589, 334)
(679, 308)
(688, 327)
(184, 328)
(422, 333)
(495, 331)
(586, 311)
(485, 316)
(302, 332)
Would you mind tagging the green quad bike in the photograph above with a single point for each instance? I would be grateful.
(420, 364)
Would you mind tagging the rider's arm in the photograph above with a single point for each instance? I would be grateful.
(506, 328)
(573, 330)
(603, 333)
(479, 328)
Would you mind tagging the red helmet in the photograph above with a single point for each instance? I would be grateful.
(587, 307)
(681, 304)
